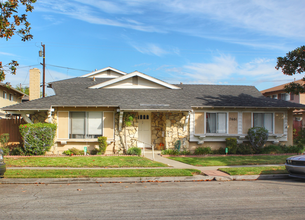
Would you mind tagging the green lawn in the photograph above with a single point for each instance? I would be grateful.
(98, 173)
(232, 160)
(111, 161)
(254, 170)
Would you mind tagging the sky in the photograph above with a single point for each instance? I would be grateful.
(232, 42)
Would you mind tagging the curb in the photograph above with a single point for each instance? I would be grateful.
(198, 178)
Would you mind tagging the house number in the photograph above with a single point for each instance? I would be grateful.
(233, 119)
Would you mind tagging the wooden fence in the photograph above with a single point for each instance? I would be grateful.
(11, 126)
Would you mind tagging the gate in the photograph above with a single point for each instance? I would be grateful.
(11, 126)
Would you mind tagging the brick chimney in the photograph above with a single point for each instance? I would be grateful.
(34, 84)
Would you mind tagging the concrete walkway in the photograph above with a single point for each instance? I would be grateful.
(208, 171)
(212, 171)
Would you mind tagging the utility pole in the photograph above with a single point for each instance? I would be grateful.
(43, 55)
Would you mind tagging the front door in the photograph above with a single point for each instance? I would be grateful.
(144, 130)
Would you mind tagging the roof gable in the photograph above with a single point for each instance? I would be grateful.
(134, 80)
(107, 72)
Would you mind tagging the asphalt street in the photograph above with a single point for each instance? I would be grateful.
(261, 199)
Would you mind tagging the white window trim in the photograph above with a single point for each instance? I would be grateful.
(221, 137)
(86, 127)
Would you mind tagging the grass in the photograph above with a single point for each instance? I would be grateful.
(232, 160)
(255, 170)
(114, 161)
(98, 173)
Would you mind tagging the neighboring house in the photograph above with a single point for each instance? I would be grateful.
(278, 92)
(9, 96)
(138, 110)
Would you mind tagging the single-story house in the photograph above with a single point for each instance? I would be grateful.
(135, 109)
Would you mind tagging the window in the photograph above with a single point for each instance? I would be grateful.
(291, 96)
(263, 120)
(284, 96)
(11, 97)
(4, 95)
(274, 96)
(216, 123)
(86, 124)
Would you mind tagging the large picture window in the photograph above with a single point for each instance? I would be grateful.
(263, 120)
(216, 123)
(86, 125)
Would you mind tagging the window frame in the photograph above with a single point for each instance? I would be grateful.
(11, 97)
(86, 127)
(216, 112)
(4, 95)
(273, 120)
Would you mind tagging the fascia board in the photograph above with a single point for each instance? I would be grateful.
(102, 70)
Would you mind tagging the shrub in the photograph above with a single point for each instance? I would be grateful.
(37, 138)
(231, 144)
(221, 150)
(299, 148)
(19, 150)
(257, 137)
(102, 144)
(134, 151)
(203, 150)
(67, 152)
(94, 151)
(185, 152)
(300, 137)
(244, 149)
(170, 152)
(4, 139)
(272, 149)
(6, 150)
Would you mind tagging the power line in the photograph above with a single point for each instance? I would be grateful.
(69, 68)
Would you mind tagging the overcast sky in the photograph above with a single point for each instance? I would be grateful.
(189, 41)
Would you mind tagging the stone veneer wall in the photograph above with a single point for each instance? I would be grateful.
(130, 131)
(174, 124)
(157, 128)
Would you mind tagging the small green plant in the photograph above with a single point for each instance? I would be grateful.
(102, 144)
(231, 144)
(257, 137)
(4, 138)
(203, 150)
(128, 118)
(170, 152)
(134, 151)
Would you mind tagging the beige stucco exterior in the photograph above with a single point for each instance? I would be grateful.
(8, 97)
(166, 129)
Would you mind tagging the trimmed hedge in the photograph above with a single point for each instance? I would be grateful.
(37, 138)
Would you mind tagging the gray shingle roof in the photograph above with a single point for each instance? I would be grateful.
(75, 92)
